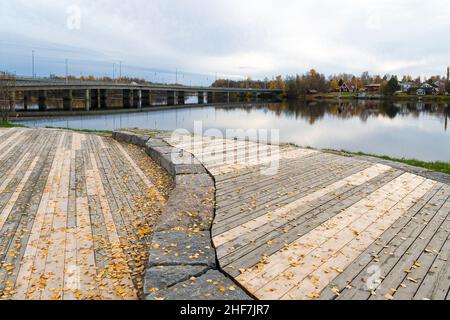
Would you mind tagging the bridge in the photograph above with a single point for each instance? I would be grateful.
(98, 94)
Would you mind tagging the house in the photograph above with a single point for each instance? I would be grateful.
(373, 87)
(427, 88)
(312, 91)
(406, 85)
(424, 89)
(441, 85)
(344, 88)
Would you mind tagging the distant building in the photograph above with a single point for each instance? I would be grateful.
(312, 91)
(430, 88)
(344, 88)
(373, 87)
(406, 85)
(425, 89)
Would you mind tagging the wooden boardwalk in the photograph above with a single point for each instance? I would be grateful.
(76, 213)
(326, 226)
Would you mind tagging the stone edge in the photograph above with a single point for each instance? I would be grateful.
(163, 153)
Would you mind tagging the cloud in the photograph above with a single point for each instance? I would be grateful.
(256, 38)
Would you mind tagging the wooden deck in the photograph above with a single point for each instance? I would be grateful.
(76, 212)
(326, 226)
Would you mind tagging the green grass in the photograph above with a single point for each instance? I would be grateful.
(82, 130)
(438, 166)
(6, 124)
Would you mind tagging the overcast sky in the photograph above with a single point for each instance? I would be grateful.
(236, 38)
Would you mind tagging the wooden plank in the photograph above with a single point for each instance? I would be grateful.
(266, 242)
(418, 260)
(10, 204)
(124, 287)
(261, 159)
(31, 275)
(313, 240)
(288, 170)
(297, 171)
(15, 232)
(14, 136)
(391, 246)
(55, 262)
(270, 189)
(88, 284)
(430, 272)
(284, 213)
(248, 174)
(71, 281)
(238, 217)
(366, 231)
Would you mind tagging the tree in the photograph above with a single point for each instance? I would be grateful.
(391, 86)
(334, 85)
(7, 95)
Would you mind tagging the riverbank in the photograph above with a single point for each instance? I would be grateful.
(396, 98)
(7, 124)
(436, 166)
(443, 167)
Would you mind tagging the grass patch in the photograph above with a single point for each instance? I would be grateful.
(82, 130)
(443, 167)
(6, 124)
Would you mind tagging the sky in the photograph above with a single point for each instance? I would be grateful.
(226, 39)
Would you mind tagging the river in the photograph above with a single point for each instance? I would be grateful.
(402, 130)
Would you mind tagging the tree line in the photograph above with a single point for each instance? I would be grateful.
(298, 85)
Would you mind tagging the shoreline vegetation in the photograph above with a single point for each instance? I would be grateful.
(395, 98)
(437, 166)
(7, 124)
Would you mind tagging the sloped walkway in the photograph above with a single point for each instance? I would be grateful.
(325, 226)
(76, 214)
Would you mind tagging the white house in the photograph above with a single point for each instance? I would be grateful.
(406, 85)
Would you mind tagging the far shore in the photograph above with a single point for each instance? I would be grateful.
(373, 96)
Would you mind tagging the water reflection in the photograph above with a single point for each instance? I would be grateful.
(407, 129)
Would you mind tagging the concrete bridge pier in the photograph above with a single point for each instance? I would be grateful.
(67, 100)
(255, 96)
(42, 100)
(201, 97)
(103, 99)
(170, 98)
(95, 99)
(127, 99)
(181, 97)
(25, 101)
(146, 97)
(137, 99)
(87, 100)
(228, 97)
(210, 97)
(12, 102)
